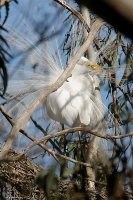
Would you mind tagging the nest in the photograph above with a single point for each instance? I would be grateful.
(17, 181)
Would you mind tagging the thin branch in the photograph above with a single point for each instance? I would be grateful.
(72, 130)
(65, 75)
(45, 133)
(90, 51)
(125, 95)
(93, 144)
(53, 153)
(114, 95)
(75, 12)
(96, 42)
(3, 2)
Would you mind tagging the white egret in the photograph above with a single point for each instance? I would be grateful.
(76, 103)
(73, 103)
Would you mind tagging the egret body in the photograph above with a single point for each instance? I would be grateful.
(73, 103)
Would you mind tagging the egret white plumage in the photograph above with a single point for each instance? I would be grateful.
(77, 102)
(72, 104)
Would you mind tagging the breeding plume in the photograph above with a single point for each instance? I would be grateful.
(77, 102)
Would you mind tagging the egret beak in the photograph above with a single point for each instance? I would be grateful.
(93, 65)
(88, 63)
(98, 69)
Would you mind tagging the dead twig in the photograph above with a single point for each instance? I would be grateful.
(75, 12)
(3, 2)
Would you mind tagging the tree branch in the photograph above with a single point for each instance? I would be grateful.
(75, 12)
(72, 130)
(45, 133)
(3, 2)
(125, 95)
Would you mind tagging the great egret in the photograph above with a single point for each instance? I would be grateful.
(76, 103)
(73, 103)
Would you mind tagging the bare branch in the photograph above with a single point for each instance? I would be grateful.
(44, 132)
(53, 153)
(3, 2)
(90, 51)
(93, 144)
(75, 12)
(125, 95)
(72, 130)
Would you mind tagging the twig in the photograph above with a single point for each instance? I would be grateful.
(72, 130)
(55, 154)
(75, 12)
(102, 52)
(60, 133)
(125, 95)
(3, 2)
(115, 101)
(45, 133)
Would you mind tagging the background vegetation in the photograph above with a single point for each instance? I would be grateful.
(55, 168)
